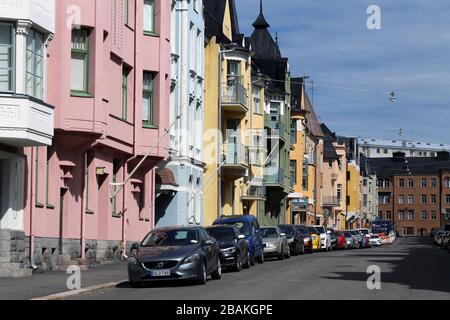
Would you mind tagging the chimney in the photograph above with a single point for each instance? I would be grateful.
(443, 155)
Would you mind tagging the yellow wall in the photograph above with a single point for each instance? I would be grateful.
(353, 189)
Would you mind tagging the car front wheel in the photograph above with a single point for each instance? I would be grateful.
(202, 276)
(248, 261)
(238, 264)
(217, 274)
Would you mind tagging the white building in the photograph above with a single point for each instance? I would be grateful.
(384, 148)
(26, 120)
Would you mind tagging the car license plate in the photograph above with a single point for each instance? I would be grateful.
(161, 273)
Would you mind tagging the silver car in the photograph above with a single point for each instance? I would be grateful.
(275, 243)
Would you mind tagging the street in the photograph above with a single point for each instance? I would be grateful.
(410, 269)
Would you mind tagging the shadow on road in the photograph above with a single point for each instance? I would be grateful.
(415, 263)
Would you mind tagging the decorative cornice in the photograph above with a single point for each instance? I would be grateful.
(23, 27)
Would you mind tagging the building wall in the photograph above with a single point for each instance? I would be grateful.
(353, 192)
(68, 185)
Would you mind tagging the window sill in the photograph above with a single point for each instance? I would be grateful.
(117, 216)
(88, 211)
(151, 34)
(50, 206)
(80, 94)
(149, 126)
(121, 119)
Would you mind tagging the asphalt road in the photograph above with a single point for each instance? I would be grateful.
(410, 269)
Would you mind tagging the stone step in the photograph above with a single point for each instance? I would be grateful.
(10, 266)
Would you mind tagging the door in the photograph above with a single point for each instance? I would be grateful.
(61, 220)
(232, 140)
(233, 72)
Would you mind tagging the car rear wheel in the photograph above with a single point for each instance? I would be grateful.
(281, 254)
(288, 253)
(217, 274)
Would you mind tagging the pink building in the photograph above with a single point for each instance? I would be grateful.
(108, 76)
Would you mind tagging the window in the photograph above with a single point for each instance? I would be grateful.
(364, 200)
(293, 172)
(447, 182)
(348, 200)
(388, 215)
(233, 72)
(401, 199)
(410, 199)
(34, 75)
(433, 215)
(6, 57)
(80, 61)
(378, 151)
(385, 151)
(433, 182)
(447, 198)
(410, 215)
(424, 215)
(410, 183)
(339, 192)
(148, 108)
(401, 215)
(125, 73)
(423, 199)
(149, 16)
(424, 182)
(348, 176)
(256, 100)
(125, 11)
(433, 199)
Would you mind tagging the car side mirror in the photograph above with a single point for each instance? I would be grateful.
(135, 246)
(282, 234)
(208, 242)
(241, 237)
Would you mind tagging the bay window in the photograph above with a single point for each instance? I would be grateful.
(6, 57)
(34, 75)
(148, 110)
(80, 61)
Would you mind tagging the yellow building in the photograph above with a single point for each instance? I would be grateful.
(233, 119)
(353, 205)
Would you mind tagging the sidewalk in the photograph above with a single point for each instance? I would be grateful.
(43, 284)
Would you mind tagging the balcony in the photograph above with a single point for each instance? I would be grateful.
(254, 193)
(235, 158)
(234, 97)
(331, 201)
(25, 121)
(275, 179)
(277, 129)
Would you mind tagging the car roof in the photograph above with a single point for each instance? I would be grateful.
(247, 218)
(221, 226)
(178, 228)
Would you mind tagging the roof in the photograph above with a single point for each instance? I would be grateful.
(261, 22)
(214, 13)
(399, 165)
(311, 119)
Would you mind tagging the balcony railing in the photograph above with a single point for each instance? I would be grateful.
(277, 129)
(236, 154)
(255, 193)
(277, 178)
(234, 93)
(331, 201)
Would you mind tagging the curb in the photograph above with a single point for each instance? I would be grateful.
(62, 295)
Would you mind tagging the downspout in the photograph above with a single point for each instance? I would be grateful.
(134, 79)
(84, 183)
(183, 94)
(219, 126)
(124, 212)
(32, 201)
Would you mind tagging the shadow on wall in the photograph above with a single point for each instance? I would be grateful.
(161, 204)
(413, 266)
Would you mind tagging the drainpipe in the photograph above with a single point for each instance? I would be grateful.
(219, 126)
(32, 201)
(83, 206)
(124, 212)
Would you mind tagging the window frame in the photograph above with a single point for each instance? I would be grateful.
(125, 76)
(153, 27)
(12, 48)
(151, 123)
(87, 55)
(33, 61)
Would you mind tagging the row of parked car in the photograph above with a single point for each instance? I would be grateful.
(232, 242)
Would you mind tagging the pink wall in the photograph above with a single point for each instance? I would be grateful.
(92, 124)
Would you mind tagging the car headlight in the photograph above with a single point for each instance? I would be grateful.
(229, 250)
(192, 258)
(270, 245)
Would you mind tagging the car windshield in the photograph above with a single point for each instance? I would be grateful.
(374, 237)
(179, 237)
(289, 230)
(321, 229)
(312, 230)
(365, 231)
(222, 234)
(242, 226)
(347, 234)
(269, 232)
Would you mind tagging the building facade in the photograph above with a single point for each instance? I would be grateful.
(413, 192)
(26, 119)
(385, 148)
(109, 79)
(182, 204)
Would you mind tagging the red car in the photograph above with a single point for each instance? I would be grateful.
(341, 241)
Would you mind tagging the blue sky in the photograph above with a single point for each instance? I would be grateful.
(329, 41)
